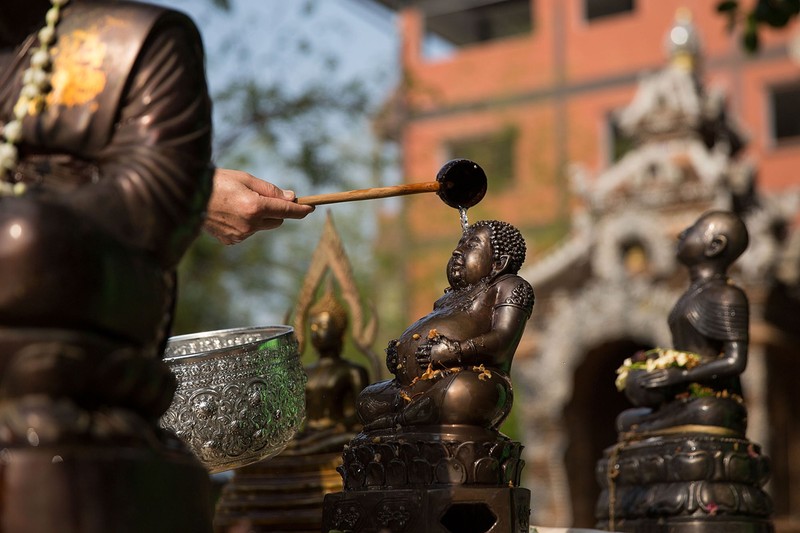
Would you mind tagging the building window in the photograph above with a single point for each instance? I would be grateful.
(595, 9)
(785, 102)
(493, 152)
(620, 143)
(476, 21)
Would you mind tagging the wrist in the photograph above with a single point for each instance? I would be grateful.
(467, 352)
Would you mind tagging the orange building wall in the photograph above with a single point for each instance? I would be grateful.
(557, 87)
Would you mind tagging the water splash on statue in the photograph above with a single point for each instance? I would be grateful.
(462, 213)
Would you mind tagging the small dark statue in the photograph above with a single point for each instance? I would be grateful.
(709, 323)
(682, 460)
(431, 444)
(285, 492)
(333, 381)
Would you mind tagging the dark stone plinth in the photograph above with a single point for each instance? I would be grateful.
(99, 489)
(81, 448)
(444, 479)
(684, 483)
(284, 493)
(454, 509)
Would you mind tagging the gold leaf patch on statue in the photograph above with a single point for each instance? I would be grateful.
(77, 69)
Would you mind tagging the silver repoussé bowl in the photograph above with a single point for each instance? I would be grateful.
(240, 396)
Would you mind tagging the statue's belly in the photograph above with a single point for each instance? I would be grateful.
(453, 327)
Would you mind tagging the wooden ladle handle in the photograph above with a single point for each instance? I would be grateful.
(369, 194)
(460, 183)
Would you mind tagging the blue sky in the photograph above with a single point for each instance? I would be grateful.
(262, 36)
(276, 40)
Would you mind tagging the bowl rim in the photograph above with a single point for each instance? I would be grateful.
(273, 332)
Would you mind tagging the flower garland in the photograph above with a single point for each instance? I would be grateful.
(657, 358)
(661, 358)
(35, 85)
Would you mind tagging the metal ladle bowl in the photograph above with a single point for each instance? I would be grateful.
(240, 396)
(462, 183)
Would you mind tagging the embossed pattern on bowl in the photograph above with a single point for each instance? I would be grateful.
(240, 396)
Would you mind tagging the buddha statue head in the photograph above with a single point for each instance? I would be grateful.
(328, 323)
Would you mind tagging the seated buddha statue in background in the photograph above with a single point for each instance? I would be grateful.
(333, 381)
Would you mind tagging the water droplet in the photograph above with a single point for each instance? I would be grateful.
(462, 212)
(33, 437)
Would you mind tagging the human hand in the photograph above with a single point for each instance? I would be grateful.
(242, 204)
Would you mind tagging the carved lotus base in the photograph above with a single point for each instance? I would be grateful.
(684, 484)
(444, 479)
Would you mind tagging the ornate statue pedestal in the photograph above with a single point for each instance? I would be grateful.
(684, 483)
(440, 479)
(97, 489)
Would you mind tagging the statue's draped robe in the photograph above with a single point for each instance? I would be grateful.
(117, 168)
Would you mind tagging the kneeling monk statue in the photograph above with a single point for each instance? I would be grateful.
(683, 462)
(709, 324)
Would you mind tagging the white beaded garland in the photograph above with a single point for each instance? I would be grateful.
(35, 84)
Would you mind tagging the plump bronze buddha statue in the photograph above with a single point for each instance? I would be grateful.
(710, 324)
(431, 457)
(452, 366)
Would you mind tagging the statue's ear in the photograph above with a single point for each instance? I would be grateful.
(717, 245)
(501, 265)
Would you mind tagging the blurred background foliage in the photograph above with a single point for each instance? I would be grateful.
(754, 16)
(289, 107)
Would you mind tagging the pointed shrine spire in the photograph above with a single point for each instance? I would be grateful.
(683, 43)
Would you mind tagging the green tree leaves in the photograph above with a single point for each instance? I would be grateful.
(772, 13)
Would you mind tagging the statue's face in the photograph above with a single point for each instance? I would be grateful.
(322, 330)
(691, 244)
(471, 260)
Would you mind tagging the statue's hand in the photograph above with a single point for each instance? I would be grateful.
(423, 354)
(663, 377)
(392, 359)
(438, 349)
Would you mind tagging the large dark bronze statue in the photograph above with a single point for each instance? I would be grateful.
(431, 457)
(682, 460)
(105, 175)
